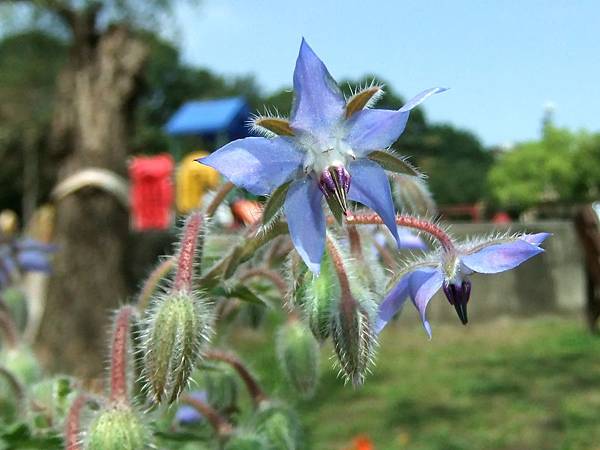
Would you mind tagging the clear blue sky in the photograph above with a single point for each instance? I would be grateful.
(503, 60)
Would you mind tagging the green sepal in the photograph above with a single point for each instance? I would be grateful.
(298, 353)
(240, 292)
(393, 163)
(336, 209)
(245, 250)
(321, 296)
(274, 203)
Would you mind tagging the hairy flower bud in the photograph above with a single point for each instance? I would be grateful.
(412, 195)
(279, 427)
(117, 428)
(177, 327)
(300, 278)
(298, 353)
(321, 296)
(221, 387)
(354, 339)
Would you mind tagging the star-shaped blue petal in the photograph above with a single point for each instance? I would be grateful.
(421, 283)
(325, 143)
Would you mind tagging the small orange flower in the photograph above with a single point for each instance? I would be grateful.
(363, 442)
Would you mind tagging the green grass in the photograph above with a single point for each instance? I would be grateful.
(527, 384)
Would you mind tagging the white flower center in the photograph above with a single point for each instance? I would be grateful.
(454, 270)
(322, 153)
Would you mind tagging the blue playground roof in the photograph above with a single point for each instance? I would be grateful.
(209, 116)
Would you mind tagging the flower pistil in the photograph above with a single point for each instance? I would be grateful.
(335, 183)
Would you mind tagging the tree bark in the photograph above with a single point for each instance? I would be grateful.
(89, 129)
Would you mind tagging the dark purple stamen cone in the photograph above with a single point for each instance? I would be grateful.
(335, 181)
(458, 296)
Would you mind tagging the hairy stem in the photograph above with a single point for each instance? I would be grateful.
(278, 282)
(386, 256)
(348, 304)
(273, 252)
(354, 238)
(220, 424)
(187, 253)
(119, 356)
(73, 423)
(409, 222)
(211, 209)
(152, 282)
(227, 266)
(270, 275)
(338, 264)
(254, 389)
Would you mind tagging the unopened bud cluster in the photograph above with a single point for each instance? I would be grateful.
(178, 323)
(335, 303)
(354, 339)
(298, 353)
(278, 426)
(176, 328)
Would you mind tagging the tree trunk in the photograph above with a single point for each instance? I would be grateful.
(31, 173)
(89, 130)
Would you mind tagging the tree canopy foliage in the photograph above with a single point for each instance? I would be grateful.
(563, 166)
(456, 163)
(27, 82)
(532, 172)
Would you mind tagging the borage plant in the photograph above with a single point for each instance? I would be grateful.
(328, 267)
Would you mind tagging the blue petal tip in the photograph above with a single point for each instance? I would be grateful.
(427, 327)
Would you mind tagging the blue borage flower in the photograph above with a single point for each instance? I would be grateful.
(325, 150)
(450, 271)
(23, 255)
(188, 415)
(410, 240)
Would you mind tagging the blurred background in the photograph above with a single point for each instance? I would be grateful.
(105, 105)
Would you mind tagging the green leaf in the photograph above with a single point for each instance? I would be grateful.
(302, 278)
(393, 163)
(20, 436)
(241, 292)
(248, 248)
(233, 261)
(275, 203)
